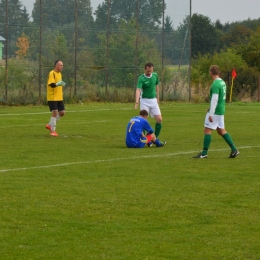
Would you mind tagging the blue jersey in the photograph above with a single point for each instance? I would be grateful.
(134, 131)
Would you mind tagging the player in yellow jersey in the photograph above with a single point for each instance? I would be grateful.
(55, 96)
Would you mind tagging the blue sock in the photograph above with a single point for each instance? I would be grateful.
(157, 142)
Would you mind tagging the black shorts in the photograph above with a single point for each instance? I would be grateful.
(56, 105)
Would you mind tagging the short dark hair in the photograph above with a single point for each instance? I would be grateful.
(143, 113)
(214, 69)
(55, 62)
(148, 64)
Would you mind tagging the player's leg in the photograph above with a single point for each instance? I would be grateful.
(141, 144)
(144, 105)
(53, 122)
(52, 107)
(208, 127)
(152, 138)
(133, 144)
(61, 109)
(48, 126)
(226, 136)
(54, 111)
(156, 113)
(158, 124)
(206, 141)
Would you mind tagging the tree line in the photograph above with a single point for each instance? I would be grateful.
(233, 45)
(120, 35)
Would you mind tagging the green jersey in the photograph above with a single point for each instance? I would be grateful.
(219, 87)
(148, 85)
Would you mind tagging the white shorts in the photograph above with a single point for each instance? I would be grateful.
(218, 122)
(150, 105)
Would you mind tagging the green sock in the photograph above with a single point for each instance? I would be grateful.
(206, 143)
(229, 141)
(158, 127)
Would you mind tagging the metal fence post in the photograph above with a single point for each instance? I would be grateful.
(190, 40)
(76, 47)
(136, 46)
(163, 5)
(40, 52)
(6, 49)
(258, 88)
(107, 43)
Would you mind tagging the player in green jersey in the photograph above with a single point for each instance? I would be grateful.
(147, 93)
(215, 115)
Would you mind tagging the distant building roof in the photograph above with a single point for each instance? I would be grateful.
(2, 39)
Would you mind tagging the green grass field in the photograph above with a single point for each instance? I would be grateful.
(84, 195)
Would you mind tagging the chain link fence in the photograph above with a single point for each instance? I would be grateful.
(103, 49)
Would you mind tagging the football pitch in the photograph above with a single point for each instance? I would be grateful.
(84, 195)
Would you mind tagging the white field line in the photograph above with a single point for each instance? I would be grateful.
(67, 111)
(115, 159)
(174, 109)
(63, 123)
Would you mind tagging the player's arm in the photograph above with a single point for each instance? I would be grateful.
(157, 88)
(59, 83)
(137, 97)
(157, 93)
(51, 80)
(213, 105)
(138, 92)
(148, 128)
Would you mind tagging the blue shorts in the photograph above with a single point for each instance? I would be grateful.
(141, 144)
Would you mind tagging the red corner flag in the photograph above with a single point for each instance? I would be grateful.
(233, 73)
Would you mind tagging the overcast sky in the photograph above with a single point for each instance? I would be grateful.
(224, 10)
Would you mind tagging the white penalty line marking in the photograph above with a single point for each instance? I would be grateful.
(114, 159)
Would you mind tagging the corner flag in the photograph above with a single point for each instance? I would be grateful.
(233, 75)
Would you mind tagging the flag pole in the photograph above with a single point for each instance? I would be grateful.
(233, 76)
(231, 89)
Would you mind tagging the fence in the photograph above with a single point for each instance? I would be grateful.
(103, 52)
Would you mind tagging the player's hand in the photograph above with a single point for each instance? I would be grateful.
(210, 119)
(61, 83)
(136, 105)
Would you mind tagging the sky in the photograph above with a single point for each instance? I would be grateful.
(223, 10)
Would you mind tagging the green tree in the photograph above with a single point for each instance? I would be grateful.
(168, 26)
(18, 19)
(62, 15)
(237, 35)
(251, 50)
(149, 12)
(226, 59)
(121, 52)
(204, 35)
(60, 12)
(181, 46)
(168, 40)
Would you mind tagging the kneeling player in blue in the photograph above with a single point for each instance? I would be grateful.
(135, 137)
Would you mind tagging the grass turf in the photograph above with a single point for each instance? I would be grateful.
(84, 195)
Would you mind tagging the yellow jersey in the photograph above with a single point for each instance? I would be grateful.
(54, 94)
